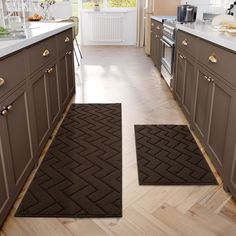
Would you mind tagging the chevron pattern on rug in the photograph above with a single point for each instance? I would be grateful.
(169, 155)
(81, 174)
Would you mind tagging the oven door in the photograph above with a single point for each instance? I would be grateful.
(167, 54)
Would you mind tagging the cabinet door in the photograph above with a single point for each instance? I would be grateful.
(223, 98)
(53, 94)
(202, 102)
(153, 46)
(41, 109)
(17, 131)
(70, 72)
(64, 91)
(158, 52)
(188, 86)
(179, 76)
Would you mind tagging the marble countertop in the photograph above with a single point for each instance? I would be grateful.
(205, 31)
(36, 31)
(162, 18)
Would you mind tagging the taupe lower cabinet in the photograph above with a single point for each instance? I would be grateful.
(209, 102)
(31, 104)
(156, 34)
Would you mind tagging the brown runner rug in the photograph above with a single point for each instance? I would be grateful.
(169, 155)
(81, 175)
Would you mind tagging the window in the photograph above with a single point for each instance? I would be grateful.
(122, 3)
(89, 4)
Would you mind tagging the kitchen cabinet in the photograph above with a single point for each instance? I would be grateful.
(31, 85)
(66, 67)
(156, 48)
(184, 81)
(206, 92)
(46, 102)
(17, 155)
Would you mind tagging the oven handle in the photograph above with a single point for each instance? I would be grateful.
(169, 46)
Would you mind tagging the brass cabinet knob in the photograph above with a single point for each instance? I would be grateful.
(46, 53)
(158, 27)
(212, 59)
(185, 42)
(4, 112)
(67, 39)
(68, 53)
(208, 78)
(49, 71)
(182, 57)
(9, 108)
(2, 82)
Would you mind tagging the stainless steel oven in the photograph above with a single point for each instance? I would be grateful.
(168, 51)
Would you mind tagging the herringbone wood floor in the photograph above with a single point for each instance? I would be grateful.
(126, 75)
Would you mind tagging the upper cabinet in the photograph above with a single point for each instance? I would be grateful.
(206, 90)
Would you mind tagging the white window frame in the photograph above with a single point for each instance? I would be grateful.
(105, 5)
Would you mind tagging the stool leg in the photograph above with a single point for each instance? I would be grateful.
(77, 59)
(78, 48)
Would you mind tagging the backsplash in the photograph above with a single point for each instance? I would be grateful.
(209, 6)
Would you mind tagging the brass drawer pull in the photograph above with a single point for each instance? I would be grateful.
(49, 71)
(158, 27)
(46, 53)
(185, 42)
(67, 39)
(212, 59)
(182, 57)
(69, 53)
(2, 82)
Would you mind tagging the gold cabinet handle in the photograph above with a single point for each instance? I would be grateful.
(208, 78)
(2, 82)
(185, 42)
(49, 71)
(212, 59)
(68, 53)
(9, 108)
(182, 57)
(67, 39)
(46, 53)
(4, 112)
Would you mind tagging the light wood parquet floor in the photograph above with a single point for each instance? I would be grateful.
(126, 75)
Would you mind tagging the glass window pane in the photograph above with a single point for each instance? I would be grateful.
(122, 3)
(88, 4)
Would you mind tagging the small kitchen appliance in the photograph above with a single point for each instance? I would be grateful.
(186, 13)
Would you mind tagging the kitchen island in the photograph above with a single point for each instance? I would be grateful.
(36, 85)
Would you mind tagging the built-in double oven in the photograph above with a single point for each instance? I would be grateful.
(168, 52)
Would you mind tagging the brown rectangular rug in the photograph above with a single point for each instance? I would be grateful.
(169, 155)
(81, 174)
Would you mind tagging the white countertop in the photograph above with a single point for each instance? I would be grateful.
(205, 31)
(162, 18)
(37, 31)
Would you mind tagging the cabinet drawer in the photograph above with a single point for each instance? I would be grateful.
(219, 60)
(65, 41)
(12, 72)
(156, 27)
(41, 53)
(187, 42)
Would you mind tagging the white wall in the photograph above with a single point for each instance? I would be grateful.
(209, 6)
